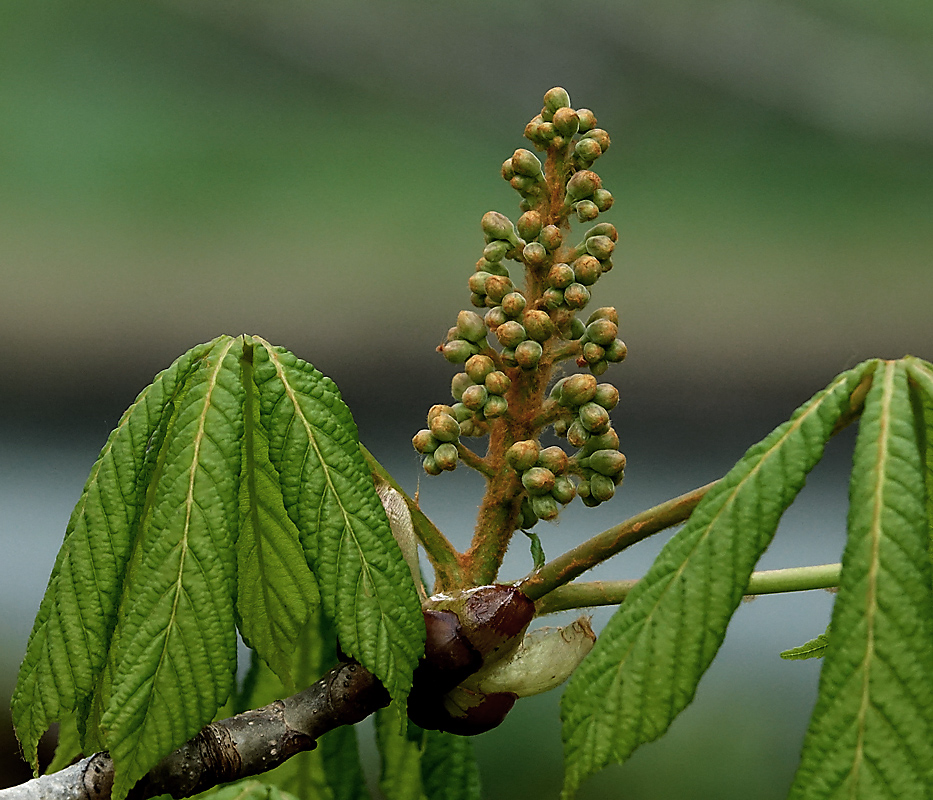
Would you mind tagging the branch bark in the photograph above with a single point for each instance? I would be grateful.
(247, 744)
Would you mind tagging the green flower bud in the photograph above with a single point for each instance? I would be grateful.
(444, 427)
(586, 270)
(606, 312)
(477, 282)
(496, 406)
(529, 225)
(616, 352)
(507, 357)
(577, 390)
(553, 458)
(493, 267)
(556, 98)
(553, 298)
(460, 412)
(577, 434)
(586, 210)
(532, 132)
(600, 247)
(510, 334)
(534, 254)
(593, 353)
(538, 325)
(607, 462)
(564, 491)
(468, 427)
(436, 409)
(577, 328)
(583, 489)
(565, 121)
(582, 185)
(477, 368)
(497, 382)
(523, 455)
(538, 480)
(547, 131)
(459, 382)
(602, 488)
(602, 332)
(513, 304)
(550, 237)
(494, 318)
(528, 354)
(496, 250)
(560, 276)
(576, 295)
(498, 286)
(470, 326)
(560, 427)
(424, 441)
(587, 150)
(525, 186)
(524, 162)
(430, 465)
(600, 136)
(528, 517)
(607, 265)
(599, 367)
(602, 198)
(498, 226)
(446, 456)
(603, 441)
(474, 397)
(603, 229)
(477, 300)
(607, 396)
(592, 416)
(587, 119)
(545, 507)
(458, 350)
(507, 171)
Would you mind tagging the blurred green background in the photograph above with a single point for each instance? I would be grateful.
(316, 172)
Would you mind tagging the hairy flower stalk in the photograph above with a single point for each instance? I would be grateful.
(510, 353)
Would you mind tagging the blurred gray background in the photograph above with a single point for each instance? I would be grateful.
(316, 172)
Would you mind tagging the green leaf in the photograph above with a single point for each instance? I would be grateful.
(249, 789)
(75, 622)
(332, 771)
(537, 551)
(448, 767)
(276, 590)
(815, 648)
(871, 735)
(424, 765)
(366, 587)
(399, 744)
(173, 656)
(921, 372)
(68, 747)
(646, 664)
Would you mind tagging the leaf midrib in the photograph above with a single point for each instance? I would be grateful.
(871, 593)
(312, 442)
(189, 504)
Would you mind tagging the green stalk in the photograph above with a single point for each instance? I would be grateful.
(606, 593)
(573, 563)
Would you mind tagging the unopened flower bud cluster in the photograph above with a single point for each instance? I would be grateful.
(537, 325)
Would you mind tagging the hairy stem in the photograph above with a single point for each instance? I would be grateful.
(608, 593)
(573, 563)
